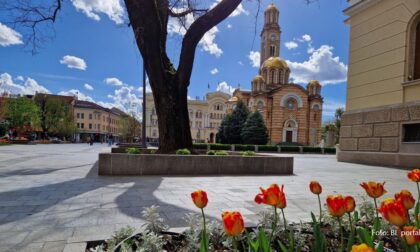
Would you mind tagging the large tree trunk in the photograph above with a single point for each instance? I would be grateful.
(149, 20)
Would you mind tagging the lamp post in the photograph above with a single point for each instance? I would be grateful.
(143, 128)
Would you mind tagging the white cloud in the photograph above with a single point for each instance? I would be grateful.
(19, 78)
(207, 43)
(113, 81)
(240, 63)
(214, 71)
(148, 87)
(124, 98)
(225, 88)
(229, 26)
(238, 11)
(73, 62)
(329, 107)
(255, 58)
(321, 66)
(88, 87)
(291, 45)
(92, 8)
(306, 37)
(78, 94)
(9, 37)
(26, 87)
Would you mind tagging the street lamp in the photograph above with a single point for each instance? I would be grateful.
(143, 128)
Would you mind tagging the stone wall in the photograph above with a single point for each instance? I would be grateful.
(378, 131)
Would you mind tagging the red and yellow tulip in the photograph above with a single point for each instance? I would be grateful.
(410, 234)
(414, 175)
(394, 212)
(273, 196)
(199, 198)
(315, 187)
(406, 198)
(233, 223)
(350, 204)
(374, 189)
(336, 205)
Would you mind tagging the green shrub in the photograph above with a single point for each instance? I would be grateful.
(133, 150)
(290, 149)
(183, 152)
(243, 147)
(153, 151)
(330, 150)
(200, 146)
(308, 149)
(211, 152)
(272, 148)
(220, 147)
(221, 153)
(248, 153)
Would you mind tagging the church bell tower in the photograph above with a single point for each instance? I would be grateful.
(270, 35)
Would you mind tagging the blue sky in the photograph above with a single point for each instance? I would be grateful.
(93, 52)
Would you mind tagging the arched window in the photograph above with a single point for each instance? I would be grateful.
(272, 50)
(291, 103)
(413, 49)
(417, 56)
(260, 106)
(272, 76)
(316, 107)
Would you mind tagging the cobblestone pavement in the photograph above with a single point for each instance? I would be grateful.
(51, 198)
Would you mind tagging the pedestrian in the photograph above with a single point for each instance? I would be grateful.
(91, 141)
(110, 140)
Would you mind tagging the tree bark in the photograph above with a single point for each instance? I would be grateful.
(149, 20)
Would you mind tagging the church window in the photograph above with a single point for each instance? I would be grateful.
(291, 103)
(260, 106)
(316, 107)
(272, 76)
(272, 50)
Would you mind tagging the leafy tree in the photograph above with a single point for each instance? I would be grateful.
(130, 128)
(56, 116)
(22, 112)
(254, 130)
(149, 22)
(224, 130)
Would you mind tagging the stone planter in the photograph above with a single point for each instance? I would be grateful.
(157, 164)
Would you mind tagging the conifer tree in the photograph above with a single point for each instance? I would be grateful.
(254, 130)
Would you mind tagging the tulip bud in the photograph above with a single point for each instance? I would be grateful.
(199, 198)
(350, 204)
(315, 187)
(414, 175)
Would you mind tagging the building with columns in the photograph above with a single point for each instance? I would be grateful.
(291, 112)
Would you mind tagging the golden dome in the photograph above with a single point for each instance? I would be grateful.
(258, 78)
(233, 99)
(271, 7)
(274, 62)
(314, 82)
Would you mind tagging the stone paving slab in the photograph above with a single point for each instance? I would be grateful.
(51, 198)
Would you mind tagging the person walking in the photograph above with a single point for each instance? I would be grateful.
(110, 140)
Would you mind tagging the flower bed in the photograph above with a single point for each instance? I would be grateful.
(4, 142)
(343, 229)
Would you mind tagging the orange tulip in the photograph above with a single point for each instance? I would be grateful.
(233, 223)
(406, 198)
(336, 205)
(350, 204)
(273, 196)
(315, 187)
(374, 189)
(394, 212)
(362, 248)
(199, 198)
(410, 234)
(414, 175)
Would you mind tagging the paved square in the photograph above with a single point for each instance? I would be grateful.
(51, 197)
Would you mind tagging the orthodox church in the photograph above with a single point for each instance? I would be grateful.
(292, 113)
